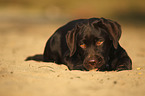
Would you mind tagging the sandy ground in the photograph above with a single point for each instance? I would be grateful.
(32, 78)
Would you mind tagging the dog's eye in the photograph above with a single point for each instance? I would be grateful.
(98, 43)
(83, 46)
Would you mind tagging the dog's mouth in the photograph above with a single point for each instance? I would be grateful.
(94, 64)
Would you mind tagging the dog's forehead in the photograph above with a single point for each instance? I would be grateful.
(90, 32)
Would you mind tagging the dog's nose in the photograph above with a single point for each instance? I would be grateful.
(92, 62)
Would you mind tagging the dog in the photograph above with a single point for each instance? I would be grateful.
(88, 44)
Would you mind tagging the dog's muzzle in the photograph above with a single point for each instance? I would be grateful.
(94, 62)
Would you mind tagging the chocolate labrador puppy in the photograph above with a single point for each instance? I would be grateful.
(88, 44)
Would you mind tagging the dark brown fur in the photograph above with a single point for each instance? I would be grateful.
(63, 47)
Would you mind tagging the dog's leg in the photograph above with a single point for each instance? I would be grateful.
(122, 61)
(73, 63)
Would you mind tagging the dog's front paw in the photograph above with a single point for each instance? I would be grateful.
(122, 67)
(79, 67)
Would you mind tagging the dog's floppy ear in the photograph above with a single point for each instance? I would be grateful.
(71, 38)
(114, 30)
(112, 27)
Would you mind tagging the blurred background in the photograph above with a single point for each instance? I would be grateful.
(130, 12)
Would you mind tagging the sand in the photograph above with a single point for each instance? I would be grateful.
(33, 78)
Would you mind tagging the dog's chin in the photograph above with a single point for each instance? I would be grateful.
(90, 67)
(95, 66)
(94, 69)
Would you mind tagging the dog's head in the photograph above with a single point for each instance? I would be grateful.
(92, 40)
